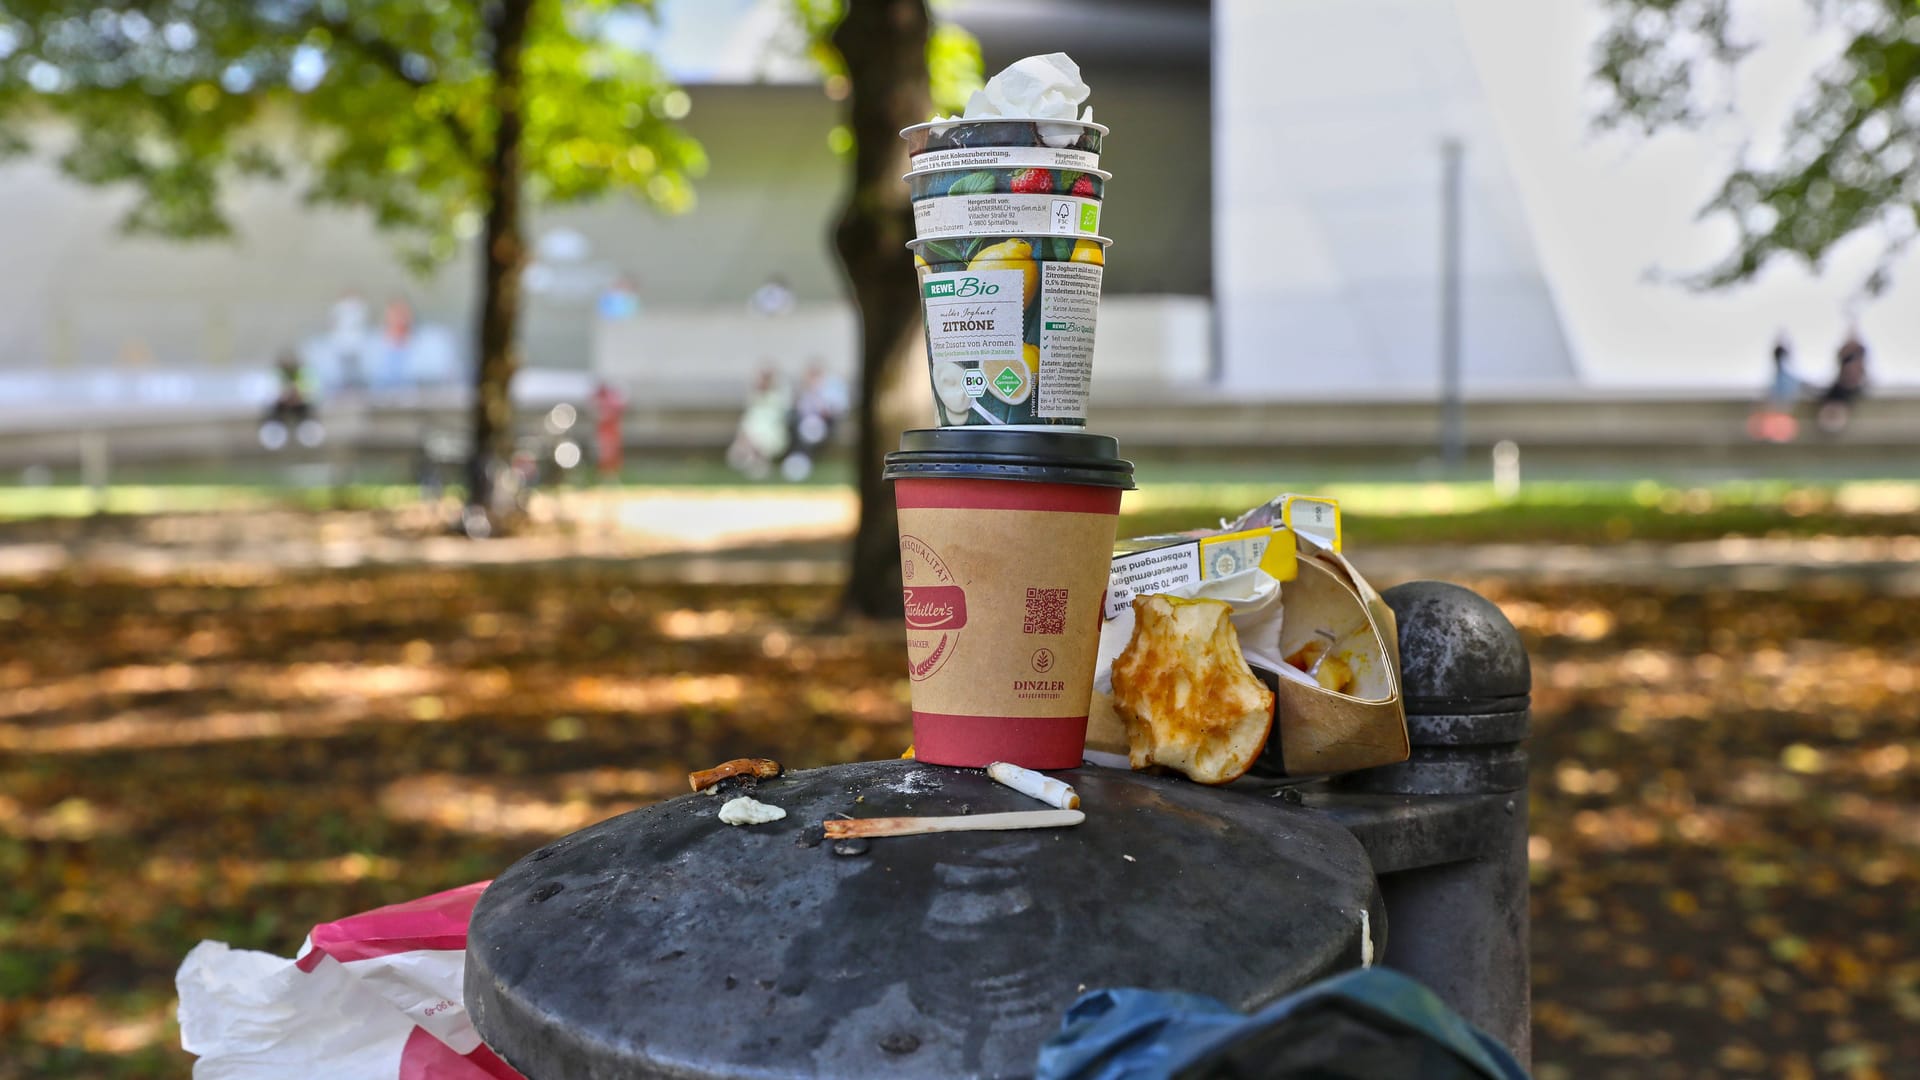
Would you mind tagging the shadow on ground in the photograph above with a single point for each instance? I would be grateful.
(1726, 835)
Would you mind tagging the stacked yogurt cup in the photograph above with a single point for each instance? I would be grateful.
(1008, 507)
(1007, 248)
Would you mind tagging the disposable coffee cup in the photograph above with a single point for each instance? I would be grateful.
(1001, 141)
(1010, 324)
(1005, 544)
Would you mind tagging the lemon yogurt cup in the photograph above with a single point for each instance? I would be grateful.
(1010, 324)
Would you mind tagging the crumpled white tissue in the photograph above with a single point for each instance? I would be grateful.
(1044, 87)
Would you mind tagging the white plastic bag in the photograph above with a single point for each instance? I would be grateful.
(374, 996)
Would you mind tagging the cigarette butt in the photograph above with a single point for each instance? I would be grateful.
(1027, 782)
(762, 768)
(913, 826)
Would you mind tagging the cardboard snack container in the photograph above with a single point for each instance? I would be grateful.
(1331, 611)
(1328, 607)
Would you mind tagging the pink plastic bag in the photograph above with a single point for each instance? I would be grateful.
(374, 996)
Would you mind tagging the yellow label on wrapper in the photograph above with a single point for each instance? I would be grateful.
(1158, 564)
(1313, 516)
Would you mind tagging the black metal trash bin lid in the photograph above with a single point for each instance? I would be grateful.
(665, 943)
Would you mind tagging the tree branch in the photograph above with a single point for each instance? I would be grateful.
(393, 60)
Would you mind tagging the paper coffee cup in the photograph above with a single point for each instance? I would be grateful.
(1010, 324)
(1064, 144)
(1005, 538)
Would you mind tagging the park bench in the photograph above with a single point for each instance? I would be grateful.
(664, 942)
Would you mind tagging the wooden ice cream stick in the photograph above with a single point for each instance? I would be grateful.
(847, 828)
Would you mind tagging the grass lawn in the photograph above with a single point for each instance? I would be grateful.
(1376, 512)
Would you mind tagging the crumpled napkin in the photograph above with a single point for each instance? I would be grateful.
(1044, 87)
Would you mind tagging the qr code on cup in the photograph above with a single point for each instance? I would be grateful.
(1046, 612)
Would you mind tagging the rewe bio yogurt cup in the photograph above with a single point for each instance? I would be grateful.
(1005, 540)
(1003, 142)
(1014, 213)
(1027, 180)
(1010, 324)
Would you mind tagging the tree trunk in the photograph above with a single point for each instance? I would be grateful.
(503, 251)
(884, 46)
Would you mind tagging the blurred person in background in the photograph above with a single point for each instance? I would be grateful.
(391, 367)
(292, 409)
(348, 339)
(608, 403)
(1773, 420)
(763, 435)
(1849, 384)
(772, 299)
(817, 410)
(620, 300)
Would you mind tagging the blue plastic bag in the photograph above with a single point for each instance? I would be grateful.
(1361, 1025)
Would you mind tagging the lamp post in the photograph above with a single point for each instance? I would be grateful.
(1453, 439)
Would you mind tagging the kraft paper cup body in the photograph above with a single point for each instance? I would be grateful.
(1010, 325)
(1003, 566)
(1062, 144)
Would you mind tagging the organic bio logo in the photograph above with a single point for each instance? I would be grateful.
(960, 288)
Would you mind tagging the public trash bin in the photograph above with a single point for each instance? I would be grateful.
(664, 941)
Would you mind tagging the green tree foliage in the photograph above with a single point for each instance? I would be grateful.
(1847, 163)
(954, 68)
(433, 115)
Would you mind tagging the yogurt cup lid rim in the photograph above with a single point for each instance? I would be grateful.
(1103, 241)
(1103, 174)
(951, 121)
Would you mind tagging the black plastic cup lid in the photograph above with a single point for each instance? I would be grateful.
(994, 453)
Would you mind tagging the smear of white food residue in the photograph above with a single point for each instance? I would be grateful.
(1366, 939)
(916, 782)
(748, 811)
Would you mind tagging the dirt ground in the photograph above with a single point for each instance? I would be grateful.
(1726, 783)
